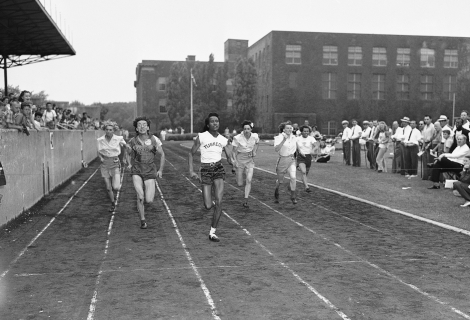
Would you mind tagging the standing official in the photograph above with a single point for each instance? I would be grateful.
(356, 133)
(346, 138)
(411, 139)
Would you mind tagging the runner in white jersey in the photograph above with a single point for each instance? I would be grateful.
(286, 145)
(245, 146)
(305, 147)
(212, 171)
(143, 149)
(109, 149)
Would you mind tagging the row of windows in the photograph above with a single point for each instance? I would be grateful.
(379, 56)
(354, 86)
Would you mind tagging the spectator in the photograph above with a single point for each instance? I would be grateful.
(38, 120)
(444, 125)
(437, 141)
(383, 139)
(296, 130)
(356, 133)
(450, 162)
(326, 150)
(12, 115)
(2, 116)
(429, 133)
(84, 121)
(411, 139)
(464, 117)
(462, 187)
(6, 102)
(315, 133)
(170, 131)
(25, 96)
(346, 137)
(182, 130)
(459, 129)
(49, 116)
(163, 134)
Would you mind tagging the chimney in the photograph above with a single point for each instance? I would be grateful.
(191, 58)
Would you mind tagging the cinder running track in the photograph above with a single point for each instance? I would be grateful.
(327, 257)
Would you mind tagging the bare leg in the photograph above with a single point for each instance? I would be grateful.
(219, 192)
(292, 176)
(249, 177)
(117, 182)
(207, 196)
(240, 176)
(303, 168)
(139, 189)
(109, 189)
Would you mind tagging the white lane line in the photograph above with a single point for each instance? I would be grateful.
(94, 299)
(409, 285)
(204, 288)
(436, 223)
(310, 287)
(44, 229)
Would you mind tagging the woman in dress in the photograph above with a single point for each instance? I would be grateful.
(109, 149)
(143, 149)
(245, 146)
(212, 171)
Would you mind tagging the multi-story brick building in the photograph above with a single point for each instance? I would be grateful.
(327, 77)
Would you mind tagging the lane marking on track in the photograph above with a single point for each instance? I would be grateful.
(409, 285)
(436, 223)
(204, 288)
(22, 252)
(94, 299)
(310, 287)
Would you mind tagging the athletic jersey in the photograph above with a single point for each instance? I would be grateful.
(111, 148)
(211, 148)
(244, 145)
(144, 151)
(305, 145)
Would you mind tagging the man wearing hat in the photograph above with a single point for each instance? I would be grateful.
(399, 152)
(411, 139)
(459, 129)
(365, 135)
(346, 138)
(445, 125)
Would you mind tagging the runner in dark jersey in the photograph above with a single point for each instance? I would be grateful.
(142, 150)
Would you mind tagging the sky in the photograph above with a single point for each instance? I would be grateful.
(111, 37)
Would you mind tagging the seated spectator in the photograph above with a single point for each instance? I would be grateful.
(449, 162)
(326, 150)
(316, 134)
(463, 185)
(49, 116)
(445, 144)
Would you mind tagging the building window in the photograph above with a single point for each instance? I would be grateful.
(229, 84)
(330, 55)
(354, 86)
(450, 84)
(329, 128)
(428, 59)
(162, 105)
(403, 87)
(426, 87)
(293, 80)
(451, 58)
(379, 57)
(329, 85)
(229, 103)
(354, 56)
(378, 87)
(403, 57)
(214, 85)
(162, 84)
(293, 54)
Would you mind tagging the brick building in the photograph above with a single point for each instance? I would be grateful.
(328, 77)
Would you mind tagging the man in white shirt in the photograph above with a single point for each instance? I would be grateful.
(49, 116)
(365, 135)
(356, 133)
(411, 137)
(346, 138)
(464, 117)
(445, 125)
(398, 138)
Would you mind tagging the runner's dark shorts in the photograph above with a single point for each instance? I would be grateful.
(307, 160)
(211, 172)
(145, 170)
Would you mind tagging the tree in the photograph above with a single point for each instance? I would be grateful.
(178, 95)
(244, 98)
(103, 112)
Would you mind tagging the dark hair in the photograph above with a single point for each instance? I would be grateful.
(446, 131)
(20, 98)
(142, 119)
(206, 121)
(247, 122)
(25, 104)
(48, 103)
(38, 114)
(283, 125)
(303, 127)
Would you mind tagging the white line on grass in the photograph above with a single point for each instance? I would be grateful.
(204, 288)
(94, 299)
(44, 229)
(409, 285)
(436, 223)
(310, 287)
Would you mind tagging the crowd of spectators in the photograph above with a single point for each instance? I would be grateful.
(19, 112)
(442, 149)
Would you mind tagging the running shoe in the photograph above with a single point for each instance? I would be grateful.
(113, 206)
(245, 204)
(308, 190)
(143, 224)
(213, 238)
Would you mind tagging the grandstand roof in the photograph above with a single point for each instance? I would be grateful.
(28, 34)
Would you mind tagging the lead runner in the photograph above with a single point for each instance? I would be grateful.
(143, 149)
(212, 171)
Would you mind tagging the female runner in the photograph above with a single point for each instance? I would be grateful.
(286, 145)
(143, 149)
(245, 146)
(109, 149)
(212, 171)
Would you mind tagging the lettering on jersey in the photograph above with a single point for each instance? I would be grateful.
(213, 144)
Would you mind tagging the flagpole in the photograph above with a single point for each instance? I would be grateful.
(191, 80)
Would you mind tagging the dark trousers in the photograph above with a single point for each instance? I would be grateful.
(396, 161)
(347, 152)
(323, 159)
(444, 165)
(411, 160)
(356, 153)
(463, 189)
(369, 147)
(427, 158)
